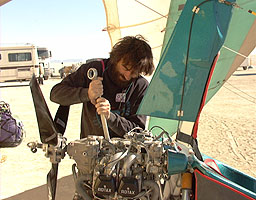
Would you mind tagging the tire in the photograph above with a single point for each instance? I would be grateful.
(40, 80)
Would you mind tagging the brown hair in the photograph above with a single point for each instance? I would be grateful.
(135, 51)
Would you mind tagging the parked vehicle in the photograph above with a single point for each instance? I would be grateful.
(66, 70)
(21, 62)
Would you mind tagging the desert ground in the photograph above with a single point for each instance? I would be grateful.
(227, 132)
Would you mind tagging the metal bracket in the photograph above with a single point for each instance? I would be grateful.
(195, 9)
(180, 113)
(55, 153)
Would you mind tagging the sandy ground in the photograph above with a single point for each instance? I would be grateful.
(227, 132)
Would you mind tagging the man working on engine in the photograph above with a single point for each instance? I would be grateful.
(117, 93)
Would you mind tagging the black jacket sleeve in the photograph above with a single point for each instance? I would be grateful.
(73, 89)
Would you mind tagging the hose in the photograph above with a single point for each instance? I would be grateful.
(74, 172)
(155, 189)
(127, 164)
(80, 188)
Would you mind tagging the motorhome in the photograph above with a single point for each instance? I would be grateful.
(21, 62)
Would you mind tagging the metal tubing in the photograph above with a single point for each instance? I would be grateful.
(92, 74)
(155, 189)
(80, 188)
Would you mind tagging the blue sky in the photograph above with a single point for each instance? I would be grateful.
(71, 29)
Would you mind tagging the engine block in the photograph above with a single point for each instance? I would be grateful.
(122, 168)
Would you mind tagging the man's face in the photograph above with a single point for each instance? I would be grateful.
(123, 74)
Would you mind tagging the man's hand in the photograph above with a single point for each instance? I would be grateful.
(95, 90)
(103, 107)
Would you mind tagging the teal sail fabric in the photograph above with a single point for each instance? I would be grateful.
(168, 96)
(240, 42)
(175, 10)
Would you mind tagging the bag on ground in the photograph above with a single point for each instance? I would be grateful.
(11, 130)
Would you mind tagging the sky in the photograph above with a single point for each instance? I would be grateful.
(70, 29)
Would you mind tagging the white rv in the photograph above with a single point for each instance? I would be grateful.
(20, 62)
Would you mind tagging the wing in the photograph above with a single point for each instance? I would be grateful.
(239, 43)
(132, 17)
(182, 82)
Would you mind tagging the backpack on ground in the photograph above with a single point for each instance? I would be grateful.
(11, 130)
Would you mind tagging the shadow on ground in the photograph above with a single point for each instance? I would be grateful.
(65, 191)
(252, 74)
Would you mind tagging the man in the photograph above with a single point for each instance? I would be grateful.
(117, 93)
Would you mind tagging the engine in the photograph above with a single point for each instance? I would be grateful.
(123, 168)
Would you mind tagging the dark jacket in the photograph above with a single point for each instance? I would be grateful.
(74, 89)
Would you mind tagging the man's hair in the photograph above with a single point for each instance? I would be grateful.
(136, 52)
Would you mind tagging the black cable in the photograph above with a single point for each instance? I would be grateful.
(156, 127)
(186, 63)
(161, 135)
